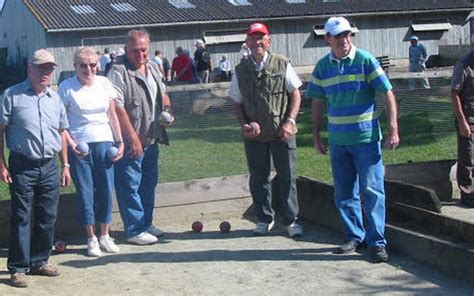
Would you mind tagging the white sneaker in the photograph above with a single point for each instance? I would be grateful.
(294, 230)
(93, 248)
(155, 231)
(143, 238)
(107, 244)
(263, 228)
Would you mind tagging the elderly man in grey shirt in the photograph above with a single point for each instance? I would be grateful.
(33, 121)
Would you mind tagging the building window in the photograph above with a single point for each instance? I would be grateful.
(239, 2)
(430, 25)
(295, 1)
(123, 7)
(225, 36)
(318, 31)
(181, 4)
(82, 9)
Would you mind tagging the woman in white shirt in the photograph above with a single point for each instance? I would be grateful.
(90, 106)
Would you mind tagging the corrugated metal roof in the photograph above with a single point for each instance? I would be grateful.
(57, 15)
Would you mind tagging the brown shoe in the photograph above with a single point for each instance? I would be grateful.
(19, 280)
(47, 270)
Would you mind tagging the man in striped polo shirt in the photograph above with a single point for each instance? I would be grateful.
(345, 81)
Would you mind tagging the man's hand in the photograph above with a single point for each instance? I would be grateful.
(5, 175)
(287, 130)
(66, 179)
(464, 129)
(136, 147)
(250, 130)
(393, 140)
(119, 155)
(319, 144)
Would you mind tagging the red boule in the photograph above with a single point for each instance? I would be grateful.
(197, 226)
(60, 246)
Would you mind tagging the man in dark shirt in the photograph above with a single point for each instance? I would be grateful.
(203, 62)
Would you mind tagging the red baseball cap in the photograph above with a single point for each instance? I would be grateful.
(257, 28)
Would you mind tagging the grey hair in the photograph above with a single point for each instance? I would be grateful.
(85, 52)
(137, 33)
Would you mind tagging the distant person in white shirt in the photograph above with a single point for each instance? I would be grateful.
(224, 68)
(104, 59)
(158, 59)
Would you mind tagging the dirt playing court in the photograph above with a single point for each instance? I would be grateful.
(237, 263)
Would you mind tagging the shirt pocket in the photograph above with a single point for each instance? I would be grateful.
(276, 83)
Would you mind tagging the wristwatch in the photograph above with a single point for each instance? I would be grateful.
(66, 165)
(292, 120)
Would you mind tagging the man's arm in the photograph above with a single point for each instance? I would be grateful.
(393, 138)
(425, 54)
(463, 125)
(317, 107)
(288, 128)
(4, 173)
(63, 157)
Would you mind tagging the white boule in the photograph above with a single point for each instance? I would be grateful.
(112, 152)
(165, 118)
(82, 147)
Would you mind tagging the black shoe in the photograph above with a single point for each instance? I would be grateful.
(378, 254)
(348, 247)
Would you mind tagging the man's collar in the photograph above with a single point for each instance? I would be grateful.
(350, 55)
(29, 87)
(264, 60)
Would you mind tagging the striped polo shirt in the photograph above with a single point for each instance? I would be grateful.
(348, 87)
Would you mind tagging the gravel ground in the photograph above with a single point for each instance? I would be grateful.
(211, 263)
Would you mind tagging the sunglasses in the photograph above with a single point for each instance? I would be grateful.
(84, 66)
(343, 34)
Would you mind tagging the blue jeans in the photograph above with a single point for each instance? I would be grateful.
(135, 184)
(35, 188)
(358, 171)
(93, 176)
(259, 155)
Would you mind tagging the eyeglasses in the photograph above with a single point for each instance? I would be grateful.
(344, 34)
(84, 66)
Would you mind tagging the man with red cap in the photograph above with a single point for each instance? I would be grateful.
(267, 101)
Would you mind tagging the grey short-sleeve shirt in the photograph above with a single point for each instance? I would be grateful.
(32, 122)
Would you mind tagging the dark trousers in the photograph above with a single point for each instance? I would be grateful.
(35, 188)
(465, 170)
(284, 159)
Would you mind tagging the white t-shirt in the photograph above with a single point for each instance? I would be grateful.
(292, 81)
(87, 107)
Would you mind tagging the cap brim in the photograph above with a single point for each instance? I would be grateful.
(42, 63)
